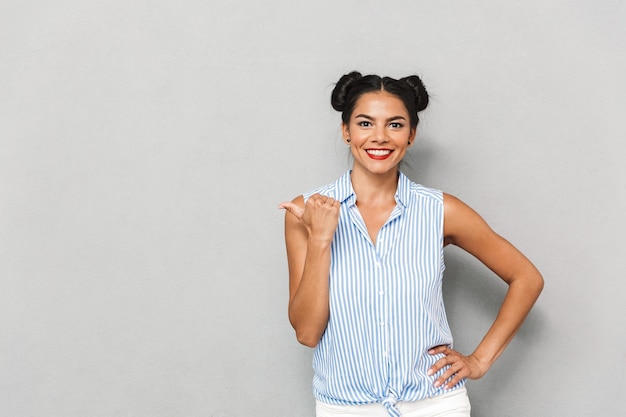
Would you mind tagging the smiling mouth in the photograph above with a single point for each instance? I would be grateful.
(378, 153)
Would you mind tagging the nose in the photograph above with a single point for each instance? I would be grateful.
(380, 134)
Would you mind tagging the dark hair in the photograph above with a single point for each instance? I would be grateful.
(352, 86)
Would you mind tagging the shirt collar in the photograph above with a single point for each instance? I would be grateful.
(403, 193)
(344, 188)
(345, 192)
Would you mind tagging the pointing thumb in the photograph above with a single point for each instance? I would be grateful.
(293, 209)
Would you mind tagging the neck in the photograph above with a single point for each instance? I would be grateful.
(374, 189)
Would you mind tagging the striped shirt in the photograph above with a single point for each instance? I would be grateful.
(386, 304)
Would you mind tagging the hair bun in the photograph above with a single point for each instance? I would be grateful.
(342, 89)
(421, 96)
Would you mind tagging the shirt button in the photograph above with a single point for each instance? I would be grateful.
(381, 293)
(382, 324)
(377, 264)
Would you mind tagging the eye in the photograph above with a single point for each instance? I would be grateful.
(396, 125)
(364, 123)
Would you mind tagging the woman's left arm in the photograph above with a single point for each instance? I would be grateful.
(464, 228)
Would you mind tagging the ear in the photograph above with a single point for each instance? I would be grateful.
(412, 136)
(345, 131)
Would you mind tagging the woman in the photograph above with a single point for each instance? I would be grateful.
(365, 258)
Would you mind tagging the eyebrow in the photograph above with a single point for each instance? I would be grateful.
(365, 116)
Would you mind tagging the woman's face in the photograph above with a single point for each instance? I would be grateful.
(379, 132)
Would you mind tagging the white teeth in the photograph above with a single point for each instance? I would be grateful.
(378, 152)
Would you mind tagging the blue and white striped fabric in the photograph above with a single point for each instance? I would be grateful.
(386, 305)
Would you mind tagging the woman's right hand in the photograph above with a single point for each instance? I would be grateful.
(320, 216)
(309, 231)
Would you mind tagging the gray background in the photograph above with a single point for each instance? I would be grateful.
(146, 144)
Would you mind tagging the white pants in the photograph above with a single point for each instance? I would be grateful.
(452, 404)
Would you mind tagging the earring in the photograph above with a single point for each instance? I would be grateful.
(347, 140)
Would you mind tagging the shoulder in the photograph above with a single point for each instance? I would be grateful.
(452, 204)
(299, 201)
(327, 190)
(461, 221)
(455, 208)
(419, 190)
(426, 192)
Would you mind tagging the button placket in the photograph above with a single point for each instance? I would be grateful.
(382, 308)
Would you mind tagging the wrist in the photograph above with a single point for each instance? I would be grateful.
(484, 363)
(321, 242)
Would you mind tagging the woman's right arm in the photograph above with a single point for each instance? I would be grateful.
(309, 230)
